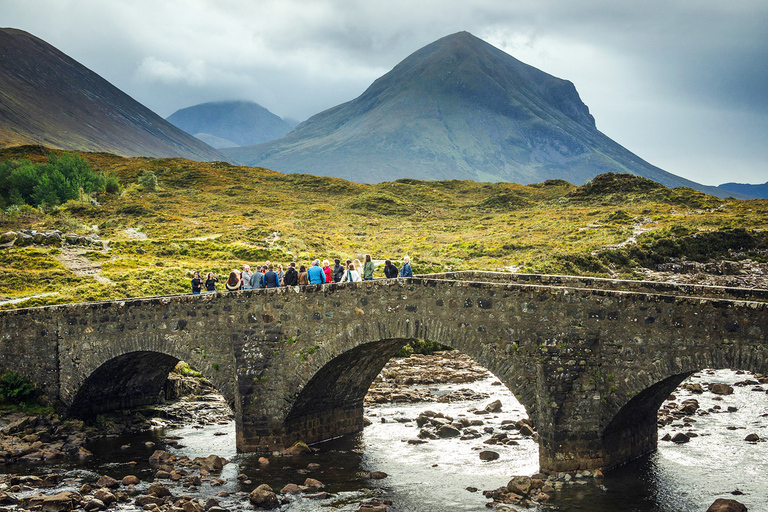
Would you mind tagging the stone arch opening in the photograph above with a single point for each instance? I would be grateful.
(331, 403)
(633, 430)
(129, 380)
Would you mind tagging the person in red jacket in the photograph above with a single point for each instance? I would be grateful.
(327, 270)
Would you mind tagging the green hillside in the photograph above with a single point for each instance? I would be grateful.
(216, 216)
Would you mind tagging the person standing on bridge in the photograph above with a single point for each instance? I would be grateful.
(368, 268)
(406, 270)
(315, 274)
(303, 276)
(245, 277)
(338, 270)
(351, 275)
(233, 283)
(270, 278)
(197, 283)
(210, 282)
(390, 270)
(291, 276)
(327, 271)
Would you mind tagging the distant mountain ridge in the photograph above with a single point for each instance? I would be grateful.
(47, 98)
(230, 123)
(759, 191)
(458, 108)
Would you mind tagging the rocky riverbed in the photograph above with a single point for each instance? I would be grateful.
(57, 465)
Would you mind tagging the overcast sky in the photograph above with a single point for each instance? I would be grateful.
(681, 83)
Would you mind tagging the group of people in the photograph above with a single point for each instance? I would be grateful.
(273, 276)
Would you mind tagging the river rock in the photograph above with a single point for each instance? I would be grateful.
(719, 388)
(159, 490)
(680, 438)
(488, 455)
(142, 501)
(83, 453)
(105, 496)
(726, 505)
(291, 489)
(94, 504)
(61, 502)
(8, 498)
(160, 457)
(298, 448)
(107, 481)
(130, 480)
(752, 438)
(373, 506)
(494, 406)
(520, 485)
(313, 484)
(448, 431)
(264, 497)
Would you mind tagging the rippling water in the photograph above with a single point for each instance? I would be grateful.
(435, 476)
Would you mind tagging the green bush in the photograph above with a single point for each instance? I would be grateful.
(15, 389)
(426, 347)
(63, 178)
(112, 185)
(148, 180)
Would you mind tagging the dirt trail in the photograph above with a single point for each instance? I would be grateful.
(74, 260)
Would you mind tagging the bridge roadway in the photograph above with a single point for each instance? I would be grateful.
(590, 359)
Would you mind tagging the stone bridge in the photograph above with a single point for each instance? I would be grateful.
(590, 359)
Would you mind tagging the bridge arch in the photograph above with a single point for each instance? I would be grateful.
(631, 429)
(331, 376)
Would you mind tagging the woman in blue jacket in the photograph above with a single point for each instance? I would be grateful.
(406, 270)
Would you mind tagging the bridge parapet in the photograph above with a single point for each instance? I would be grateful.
(600, 283)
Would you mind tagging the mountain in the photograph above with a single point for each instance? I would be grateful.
(238, 123)
(759, 191)
(50, 99)
(458, 108)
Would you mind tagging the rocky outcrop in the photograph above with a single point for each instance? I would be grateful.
(54, 237)
(726, 505)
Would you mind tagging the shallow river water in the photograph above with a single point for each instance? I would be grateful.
(435, 476)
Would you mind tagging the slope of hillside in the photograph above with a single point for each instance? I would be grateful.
(458, 108)
(48, 98)
(203, 218)
(241, 122)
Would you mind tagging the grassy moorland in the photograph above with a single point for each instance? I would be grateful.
(216, 216)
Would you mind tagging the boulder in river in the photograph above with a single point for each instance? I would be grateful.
(752, 438)
(719, 388)
(159, 490)
(298, 448)
(108, 482)
(494, 406)
(519, 485)
(488, 455)
(726, 505)
(448, 431)
(680, 438)
(313, 484)
(264, 497)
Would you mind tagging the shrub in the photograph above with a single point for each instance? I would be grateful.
(15, 389)
(148, 180)
(63, 178)
(420, 347)
(112, 185)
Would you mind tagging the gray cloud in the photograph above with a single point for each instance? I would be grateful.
(682, 84)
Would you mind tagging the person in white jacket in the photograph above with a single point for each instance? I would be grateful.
(351, 275)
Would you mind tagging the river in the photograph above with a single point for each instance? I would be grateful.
(442, 474)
